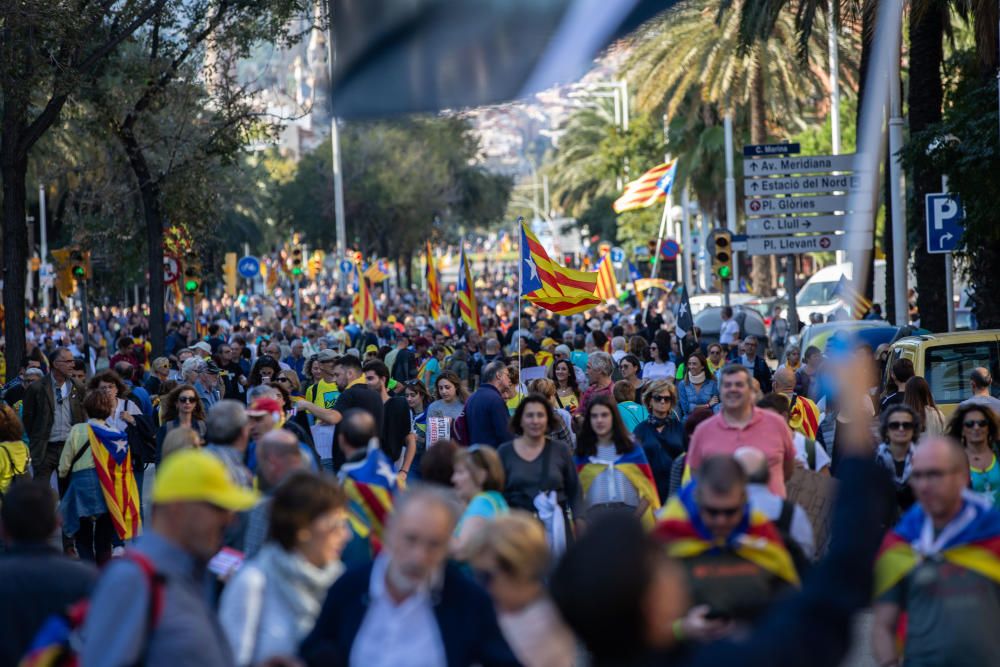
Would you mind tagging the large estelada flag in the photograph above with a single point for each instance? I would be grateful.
(756, 539)
(635, 467)
(364, 304)
(971, 541)
(433, 287)
(113, 462)
(547, 284)
(649, 189)
(467, 305)
(607, 284)
(370, 487)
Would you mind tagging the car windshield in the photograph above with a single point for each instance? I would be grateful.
(816, 294)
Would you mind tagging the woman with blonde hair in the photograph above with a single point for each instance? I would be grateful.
(563, 430)
(662, 434)
(511, 560)
(478, 479)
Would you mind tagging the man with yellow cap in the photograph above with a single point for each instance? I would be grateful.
(151, 606)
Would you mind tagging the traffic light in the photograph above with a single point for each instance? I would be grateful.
(722, 254)
(79, 264)
(315, 264)
(229, 273)
(192, 275)
(296, 267)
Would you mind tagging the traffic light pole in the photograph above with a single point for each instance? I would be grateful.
(298, 302)
(84, 325)
(725, 292)
(790, 289)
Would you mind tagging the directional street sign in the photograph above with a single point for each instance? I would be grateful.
(171, 269)
(249, 267)
(797, 245)
(804, 164)
(786, 205)
(759, 150)
(944, 222)
(758, 187)
(791, 224)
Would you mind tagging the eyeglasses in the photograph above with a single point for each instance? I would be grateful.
(970, 423)
(187, 399)
(896, 426)
(661, 399)
(725, 512)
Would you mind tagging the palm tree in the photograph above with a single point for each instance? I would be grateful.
(699, 50)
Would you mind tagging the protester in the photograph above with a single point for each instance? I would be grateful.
(180, 438)
(899, 374)
(273, 601)
(807, 376)
(918, 396)
(599, 370)
(803, 413)
(410, 606)
(486, 415)
(662, 434)
(438, 465)
(698, 388)
(227, 435)
(478, 479)
(632, 413)
(51, 408)
(563, 373)
(193, 501)
(417, 399)
(900, 431)
(976, 428)
(15, 458)
(278, 456)
(659, 366)
(181, 408)
(451, 397)
(563, 427)
(981, 383)
(512, 560)
(396, 438)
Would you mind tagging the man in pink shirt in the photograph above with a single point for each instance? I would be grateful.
(739, 424)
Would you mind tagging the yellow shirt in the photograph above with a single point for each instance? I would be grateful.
(323, 393)
(14, 460)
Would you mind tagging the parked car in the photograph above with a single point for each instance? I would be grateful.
(709, 320)
(872, 332)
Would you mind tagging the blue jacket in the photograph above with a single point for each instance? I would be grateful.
(661, 449)
(487, 417)
(464, 613)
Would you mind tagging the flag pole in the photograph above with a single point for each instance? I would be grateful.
(656, 257)
(520, 253)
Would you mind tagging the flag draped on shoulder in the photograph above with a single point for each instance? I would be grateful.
(607, 285)
(433, 289)
(854, 300)
(547, 284)
(467, 305)
(370, 485)
(647, 190)
(804, 416)
(970, 541)
(635, 467)
(682, 531)
(364, 305)
(113, 462)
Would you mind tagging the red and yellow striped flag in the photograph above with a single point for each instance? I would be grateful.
(113, 462)
(607, 285)
(556, 288)
(467, 304)
(433, 289)
(647, 190)
(364, 305)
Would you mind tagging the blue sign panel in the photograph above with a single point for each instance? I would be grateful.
(249, 267)
(944, 222)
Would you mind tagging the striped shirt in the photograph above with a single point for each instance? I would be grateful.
(611, 485)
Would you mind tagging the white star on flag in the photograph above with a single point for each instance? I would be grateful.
(385, 470)
(682, 310)
(532, 268)
(121, 446)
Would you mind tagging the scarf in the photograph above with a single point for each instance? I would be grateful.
(696, 379)
(971, 540)
(298, 582)
(659, 422)
(884, 458)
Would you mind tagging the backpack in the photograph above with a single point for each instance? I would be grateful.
(19, 475)
(58, 642)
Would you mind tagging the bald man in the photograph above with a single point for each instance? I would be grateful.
(939, 567)
(804, 415)
(981, 381)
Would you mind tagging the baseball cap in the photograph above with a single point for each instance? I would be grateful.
(371, 348)
(203, 347)
(262, 406)
(193, 475)
(547, 342)
(211, 368)
(327, 355)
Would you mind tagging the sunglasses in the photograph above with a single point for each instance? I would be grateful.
(187, 399)
(896, 426)
(282, 379)
(725, 512)
(981, 423)
(661, 399)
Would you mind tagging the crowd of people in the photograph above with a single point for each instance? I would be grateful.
(591, 489)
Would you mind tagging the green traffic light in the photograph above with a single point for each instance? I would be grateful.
(725, 272)
(297, 271)
(191, 285)
(78, 272)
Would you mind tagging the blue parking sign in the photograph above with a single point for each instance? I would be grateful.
(944, 221)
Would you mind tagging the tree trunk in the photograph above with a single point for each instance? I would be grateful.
(149, 194)
(760, 276)
(13, 170)
(924, 102)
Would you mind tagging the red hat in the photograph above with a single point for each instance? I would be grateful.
(264, 405)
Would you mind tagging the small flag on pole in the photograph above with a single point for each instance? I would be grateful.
(647, 190)
(556, 288)
(364, 305)
(467, 305)
(433, 289)
(607, 286)
(854, 300)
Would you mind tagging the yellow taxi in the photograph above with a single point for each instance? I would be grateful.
(946, 360)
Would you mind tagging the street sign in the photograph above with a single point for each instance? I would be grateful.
(739, 242)
(797, 245)
(249, 267)
(791, 224)
(760, 150)
(46, 275)
(786, 205)
(944, 221)
(617, 255)
(758, 187)
(670, 249)
(171, 269)
(805, 164)
(345, 266)
(640, 251)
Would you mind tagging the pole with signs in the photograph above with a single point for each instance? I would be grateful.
(944, 216)
(730, 186)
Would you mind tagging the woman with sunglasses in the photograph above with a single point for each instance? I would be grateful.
(563, 373)
(659, 366)
(477, 477)
(900, 430)
(662, 434)
(698, 388)
(976, 427)
(181, 407)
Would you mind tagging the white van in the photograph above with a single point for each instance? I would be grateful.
(817, 295)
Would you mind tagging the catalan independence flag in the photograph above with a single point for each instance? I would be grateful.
(364, 305)
(370, 486)
(647, 190)
(113, 462)
(854, 300)
(433, 288)
(804, 416)
(377, 272)
(636, 469)
(970, 541)
(607, 285)
(556, 288)
(682, 531)
(467, 305)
